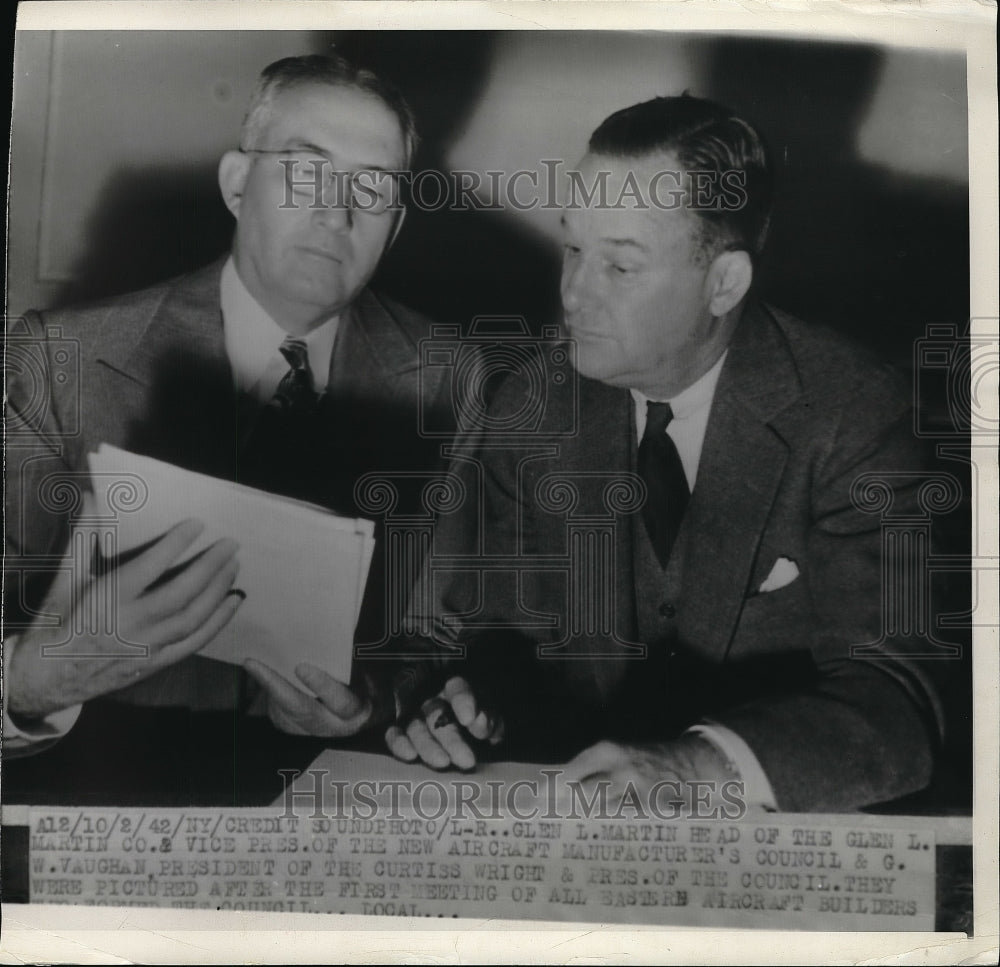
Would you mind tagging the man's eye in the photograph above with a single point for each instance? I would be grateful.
(571, 250)
(621, 269)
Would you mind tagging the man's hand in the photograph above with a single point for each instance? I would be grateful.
(440, 733)
(168, 612)
(334, 713)
(681, 766)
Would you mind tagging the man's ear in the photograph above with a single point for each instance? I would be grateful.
(234, 168)
(728, 281)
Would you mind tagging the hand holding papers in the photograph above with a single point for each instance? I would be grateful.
(303, 569)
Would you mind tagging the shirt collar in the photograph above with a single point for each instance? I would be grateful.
(696, 397)
(253, 338)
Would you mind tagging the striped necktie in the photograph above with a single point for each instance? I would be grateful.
(279, 451)
(295, 392)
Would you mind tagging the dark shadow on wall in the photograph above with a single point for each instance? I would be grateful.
(450, 263)
(149, 224)
(878, 254)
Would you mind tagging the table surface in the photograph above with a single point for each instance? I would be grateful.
(119, 755)
(124, 755)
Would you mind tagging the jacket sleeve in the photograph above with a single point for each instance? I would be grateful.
(41, 490)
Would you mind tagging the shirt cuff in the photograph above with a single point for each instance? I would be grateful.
(757, 788)
(27, 737)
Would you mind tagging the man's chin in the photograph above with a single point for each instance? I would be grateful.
(319, 295)
(599, 369)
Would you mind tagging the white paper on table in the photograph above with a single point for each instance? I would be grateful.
(303, 569)
(350, 767)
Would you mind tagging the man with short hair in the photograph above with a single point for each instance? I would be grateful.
(715, 638)
(276, 366)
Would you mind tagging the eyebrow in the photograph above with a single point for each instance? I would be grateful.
(630, 243)
(301, 145)
(624, 243)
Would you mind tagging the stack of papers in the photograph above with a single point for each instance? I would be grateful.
(302, 568)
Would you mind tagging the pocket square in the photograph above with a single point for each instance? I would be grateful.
(783, 573)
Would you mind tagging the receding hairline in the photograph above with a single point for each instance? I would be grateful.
(261, 108)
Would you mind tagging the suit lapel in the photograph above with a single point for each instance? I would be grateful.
(607, 417)
(372, 349)
(175, 351)
(598, 453)
(742, 462)
(186, 320)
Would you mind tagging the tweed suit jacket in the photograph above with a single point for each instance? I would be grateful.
(799, 415)
(148, 372)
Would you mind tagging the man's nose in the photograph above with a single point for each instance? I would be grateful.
(335, 217)
(573, 285)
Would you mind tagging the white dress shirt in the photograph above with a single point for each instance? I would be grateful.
(691, 409)
(252, 341)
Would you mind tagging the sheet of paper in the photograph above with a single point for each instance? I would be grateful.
(343, 765)
(303, 569)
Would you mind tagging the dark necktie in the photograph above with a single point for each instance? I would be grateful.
(667, 490)
(295, 391)
(279, 451)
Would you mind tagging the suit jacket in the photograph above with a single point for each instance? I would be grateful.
(798, 416)
(148, 372)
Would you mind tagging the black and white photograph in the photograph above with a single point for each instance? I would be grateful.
(462, 473)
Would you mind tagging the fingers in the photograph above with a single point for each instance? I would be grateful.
(179, 591)
(182, 623)
(439, 734)
(417, 743)
(462, 700)
(336, 696)
(591, 769)
(214, 624)
(604, 757)
(497, 730)
(286, 703)
(399, 745)
(433, 736)
(479, 722)
(139, 573)
(292, 699)
(438, 750)
(294, 711)
(427, 746)
(445, 732)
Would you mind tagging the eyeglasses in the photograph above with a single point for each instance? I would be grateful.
(312, 181)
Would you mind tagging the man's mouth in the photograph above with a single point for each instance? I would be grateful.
(575, 331)
(321, 253)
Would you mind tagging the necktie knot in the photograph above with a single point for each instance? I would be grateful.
(295, 352)
(658, 417)
(295, 391)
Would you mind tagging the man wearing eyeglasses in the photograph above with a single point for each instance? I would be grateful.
(327, 388)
